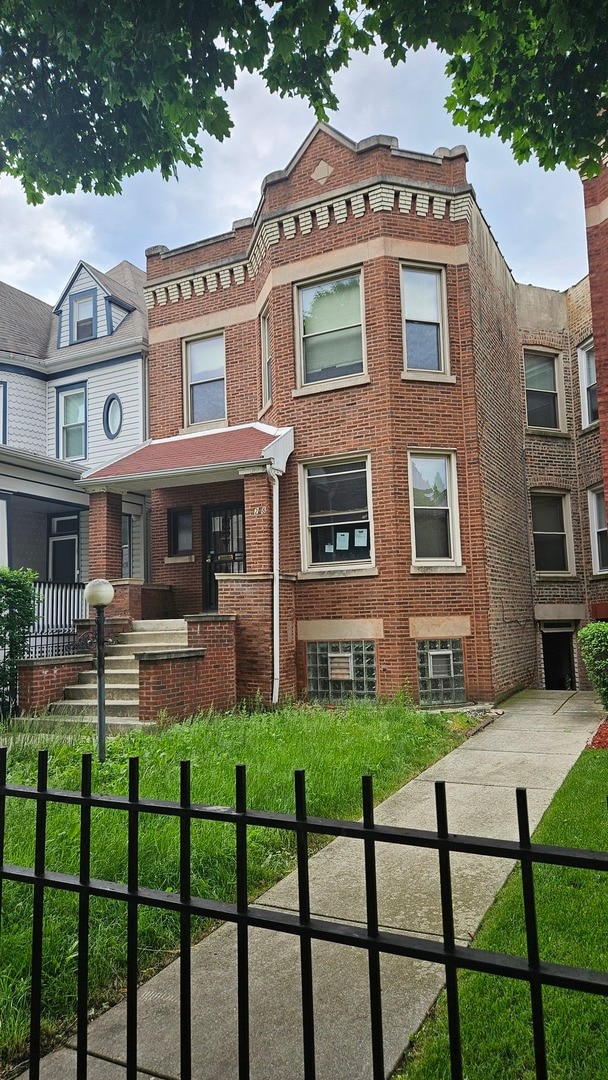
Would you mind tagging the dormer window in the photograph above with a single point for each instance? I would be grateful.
(83, 317)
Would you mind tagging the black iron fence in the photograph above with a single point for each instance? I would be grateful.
(371, 938)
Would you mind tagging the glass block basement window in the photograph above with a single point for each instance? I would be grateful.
(441, 672)
(341, 669)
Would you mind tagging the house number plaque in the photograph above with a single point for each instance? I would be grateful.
(258, 511)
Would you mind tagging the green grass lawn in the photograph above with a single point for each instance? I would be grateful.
(572, 910)
(335, 747)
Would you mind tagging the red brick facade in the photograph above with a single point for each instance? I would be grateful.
(391, 616)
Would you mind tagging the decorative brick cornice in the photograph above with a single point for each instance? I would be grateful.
(378, 198)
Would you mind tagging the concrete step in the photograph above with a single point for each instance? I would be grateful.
(115, 709)
(114, 725)
(132, 649)
(122, 662)
(151, 625)
(162, 638)
(114, 677)
(114, 692)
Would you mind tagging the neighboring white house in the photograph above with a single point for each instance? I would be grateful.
(72, 396)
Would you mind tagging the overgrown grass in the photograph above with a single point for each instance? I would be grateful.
(572, 910)
(392, 741)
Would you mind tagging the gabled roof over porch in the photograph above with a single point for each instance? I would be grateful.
(197, 457)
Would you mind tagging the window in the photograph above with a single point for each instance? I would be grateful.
(440, 672)
(542, 390)
(3, 412)
(83, 316)
(72, 423)
(338, 521)
(127, 545)
(112, 416)
(341, 669)
(551, 529)
(331, 334)
(434, 508)
(599, 533)
(180, 532)
(588, 381)
(206, 380)
(266, 358)
(422, 305)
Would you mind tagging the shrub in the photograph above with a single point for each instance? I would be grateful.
(593, 641)
(17, 613)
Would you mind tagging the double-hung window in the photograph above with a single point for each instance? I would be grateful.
(423, 306)
(338, 525)
(83, 316)
(266, 358)
(434, 508)
(552, 533)
(72, 423)
(205, 364)
(3, 411)
(588, 381)
(599, 532)
(331, 340)
(543, 382)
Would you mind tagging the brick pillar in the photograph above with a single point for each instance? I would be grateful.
(105, 535)
(258, 523)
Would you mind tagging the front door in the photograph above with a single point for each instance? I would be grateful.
(558, 661)
(224, 533)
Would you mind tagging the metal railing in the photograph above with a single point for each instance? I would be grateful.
(59, 605)
(375, 941)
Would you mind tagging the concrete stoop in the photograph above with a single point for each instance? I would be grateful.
(79, 702)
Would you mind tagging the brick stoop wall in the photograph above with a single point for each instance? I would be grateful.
(43, 681)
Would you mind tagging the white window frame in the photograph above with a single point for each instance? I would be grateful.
(63, 392)
(190, 422)
(455, 560)
(310, 386)
(585, 386)
(340, 568)
(443, 371)
(560, 403)
(267, 366)
(593, 495)
(432, 653)
(569, 538)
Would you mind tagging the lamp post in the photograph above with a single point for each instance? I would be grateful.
(98, 594)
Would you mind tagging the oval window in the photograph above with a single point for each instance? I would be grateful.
(112, 416)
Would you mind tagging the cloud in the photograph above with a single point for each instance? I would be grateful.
(536, 217)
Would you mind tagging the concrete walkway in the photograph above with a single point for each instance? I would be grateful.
(534, 744)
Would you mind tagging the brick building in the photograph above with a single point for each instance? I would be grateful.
(368, 442)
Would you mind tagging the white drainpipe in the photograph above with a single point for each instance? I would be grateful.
(276, 629)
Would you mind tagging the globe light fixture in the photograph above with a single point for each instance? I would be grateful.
(98, 594)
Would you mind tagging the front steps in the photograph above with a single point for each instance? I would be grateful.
(79, 702)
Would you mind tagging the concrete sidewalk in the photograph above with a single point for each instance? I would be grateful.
(533, 745)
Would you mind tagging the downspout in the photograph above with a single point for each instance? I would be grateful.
(276, 633)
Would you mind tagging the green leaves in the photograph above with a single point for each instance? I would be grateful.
(17, 613)
(90, 93)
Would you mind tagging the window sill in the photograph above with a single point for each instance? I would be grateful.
(172, 560)
(413, 375)
(552, 433)
(599, 575)
(437, 568)
(331, 384)
(590, 427)
(556, 576)
(209, 425)
(336, 573)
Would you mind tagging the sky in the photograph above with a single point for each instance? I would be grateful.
(536, 217)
